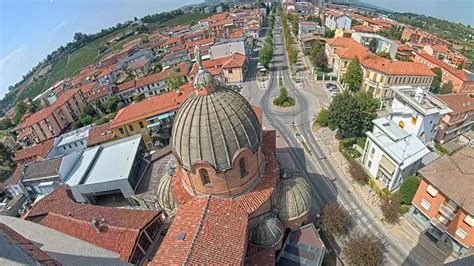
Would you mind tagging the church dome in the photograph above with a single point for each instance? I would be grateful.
(267, 232)
(292, 198)
(165, 197)
(213, 124)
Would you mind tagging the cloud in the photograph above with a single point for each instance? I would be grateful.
(59, 26)
(11, 56)
(13, 66)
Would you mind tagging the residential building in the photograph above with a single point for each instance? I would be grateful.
(228, 47)
(418, 36)
(174, 58)
(405, 52)
(172, 42)
(130, 233)
(306, 27)
(334, 43)
(391, 154)
(33, 153)
(462, 81)
(72, 141)
(362, 29)
(335, 20)
(443, 206)
(152, 118)
(460, 120)
(384, 45)
(437, 50)
(29, 243)
(99, 134)
(417, 111)
(52, 120)
(232, 68)
(304, 9)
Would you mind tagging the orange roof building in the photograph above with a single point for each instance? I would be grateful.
(230, 68)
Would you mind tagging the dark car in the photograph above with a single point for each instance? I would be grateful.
(330, 85)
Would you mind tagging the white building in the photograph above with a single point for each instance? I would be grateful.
(391, 153)
(73, 141)
(337, 21)
(417, 111)
(228, 47)
(383, 44)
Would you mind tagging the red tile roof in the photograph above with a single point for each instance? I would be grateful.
(440, 49)
(31, 249)
(162, 103)
(16, 176)
(392, 67)
(87, 87)
(123, 226)
(99, 134)
(109, 69)
(362, 28)
(36, 151)
(352, 52)
(215, 66)
(455, 72)
(172, 40)
(216, 229)
(342, 41)
(235, 61)
(98, 93)
(459, 103)
(202, 42)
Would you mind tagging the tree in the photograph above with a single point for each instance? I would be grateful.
(408, 189)
(329, 33)
(7, 165)
(321, 60)
(357, 172)
(384, 55)
(373, 45)
(112, 104)
(292, 54)
(436, 83)
(6, 123)
(353, 77)
(335, 219)
(313, 18)
(355, 23)
(174, 81)
(352, 113)
(365, 249)
(20, 110)
(446, 88)
(391, 208)
(266, 54)
(33, 107)
(137, 97)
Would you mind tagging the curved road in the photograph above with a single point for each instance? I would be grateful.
(294, 125)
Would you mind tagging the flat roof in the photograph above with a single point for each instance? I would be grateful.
(74, 136)
(114, 161)
(390, 128)
(81, 167)
(421, 100)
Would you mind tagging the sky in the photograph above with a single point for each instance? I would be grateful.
(451, 10)
(31, 29)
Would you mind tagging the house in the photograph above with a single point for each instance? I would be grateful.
(30, 243)
(336, 19)
(151, 117)
(172, 42)
(417, 111)
(140, 68)
(99, 134)
(362, 29)
(130, 233)
(405, 52)
(458, 121)
(334, 43)
(418, 36)
(306, 27)
(174, 58)
(391, 153)
(33, 153)
(52, 120)
(462, 81)
(383, 44)
(443, 206)
(437, 50)
(228, 47)
(232, 68)
(72, 141)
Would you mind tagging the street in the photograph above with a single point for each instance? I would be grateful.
(294, 126)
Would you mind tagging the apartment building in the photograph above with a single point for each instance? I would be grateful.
(460, 120)
(52, 120)
(391, 154)
(383, 44)
(417, 111)
(152, 118)
(462, 81)
(230, 69)
(230, 46)
(335, 43)
(336, 20)
(443, 206)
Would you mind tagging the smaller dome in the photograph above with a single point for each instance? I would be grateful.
(267, 232)
(165, 197)
(204, 80)
(292, 198)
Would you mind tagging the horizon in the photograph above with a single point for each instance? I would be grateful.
(23, 44)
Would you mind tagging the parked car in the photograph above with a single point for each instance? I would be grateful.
(330, 86)
(333, 93)
(236, 87)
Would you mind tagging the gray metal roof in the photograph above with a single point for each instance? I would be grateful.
(267, 232)
(213, 127)
(292, 198)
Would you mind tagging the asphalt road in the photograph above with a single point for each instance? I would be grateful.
(294, 125)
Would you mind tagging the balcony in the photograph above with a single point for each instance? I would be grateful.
(439, 225)
(447, 211)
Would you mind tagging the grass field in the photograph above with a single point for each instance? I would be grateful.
(178, 20)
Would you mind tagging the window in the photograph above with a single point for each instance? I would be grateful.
(369, 164)
(130, 127)
(121, 130)
(141, 124)
(425, 204)
(75, 144)
(443, 219)
(230, 70)
(64, 147)
(413, 120)
(401, 124)
(204, 177)
(461, 233)
(372, 152)
(243, 171)
(431, 190)
(469, 220)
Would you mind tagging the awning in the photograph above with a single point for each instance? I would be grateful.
(387, 165)
(161, 116)
(154, 124)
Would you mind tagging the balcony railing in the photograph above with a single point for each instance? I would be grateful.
(439, 225)
(447, 211)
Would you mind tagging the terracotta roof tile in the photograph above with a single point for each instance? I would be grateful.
(459, 103)
(87, 87)
(162, 103)
(16, 176)
(362, 28)
(99, 134)
(392, 67)
(58, 211)
(172, 40)
(37, 151)
(457, 73)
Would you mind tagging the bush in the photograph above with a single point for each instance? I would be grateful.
(391, 208)
(283, 100)
(357, 172)
(408, 189)
(442, 149)
(322, 118)
(336, 219)
(365, 249)
(404, 209)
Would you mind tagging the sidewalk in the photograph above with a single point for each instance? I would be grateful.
(404, 233)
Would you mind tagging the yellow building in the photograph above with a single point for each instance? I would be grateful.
(232, 68)
(152, 118)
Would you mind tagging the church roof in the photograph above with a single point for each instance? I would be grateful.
(292, 197)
